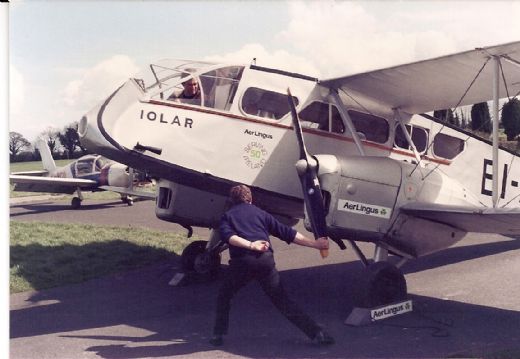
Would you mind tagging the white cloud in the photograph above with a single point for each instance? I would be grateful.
(340, 38)
(16, 90)
(96, 83)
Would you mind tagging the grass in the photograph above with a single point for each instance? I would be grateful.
(33, 165)
(45, 255)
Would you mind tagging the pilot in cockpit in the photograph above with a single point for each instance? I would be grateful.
(190, 93)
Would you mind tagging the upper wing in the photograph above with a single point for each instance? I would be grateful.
(49, 184)
(434, 84)
(504, 221)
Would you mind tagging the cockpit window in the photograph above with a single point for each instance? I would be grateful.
(322, 116)
(219, 86)
(370, 127)
(265, 103)
(84, 166)
(188, 83)
(100, 163)
(446, 146)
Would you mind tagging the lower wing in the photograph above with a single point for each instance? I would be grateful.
(50, 184)
(504, 221)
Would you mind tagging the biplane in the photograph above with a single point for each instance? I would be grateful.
(372, 164)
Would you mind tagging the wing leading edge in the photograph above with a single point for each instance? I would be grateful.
(504, 221)
(434, 84)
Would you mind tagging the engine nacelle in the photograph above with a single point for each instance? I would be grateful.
(361, 193)
(188, 206)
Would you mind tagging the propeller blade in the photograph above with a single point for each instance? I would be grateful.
(307, 172)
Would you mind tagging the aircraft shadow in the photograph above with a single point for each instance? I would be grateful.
(459, 254)
(43, 207)
(35, 263)
(180, 319)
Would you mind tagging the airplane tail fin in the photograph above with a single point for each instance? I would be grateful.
(45, 152)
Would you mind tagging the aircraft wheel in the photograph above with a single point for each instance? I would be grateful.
(130, 201)
(385, 284)
(196, 259)
(75, 203)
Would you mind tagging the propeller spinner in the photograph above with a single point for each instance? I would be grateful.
(307, 168)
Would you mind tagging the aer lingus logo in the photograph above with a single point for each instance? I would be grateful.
(364, 209)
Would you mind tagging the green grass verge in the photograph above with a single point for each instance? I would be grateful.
(33, 165)
(45, 255)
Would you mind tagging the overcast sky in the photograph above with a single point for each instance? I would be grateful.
(65, 56)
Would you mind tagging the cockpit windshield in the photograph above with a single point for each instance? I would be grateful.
(191, 82)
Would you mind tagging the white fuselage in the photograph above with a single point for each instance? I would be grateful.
(236, 146)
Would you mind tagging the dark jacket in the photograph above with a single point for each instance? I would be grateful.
(252, 223)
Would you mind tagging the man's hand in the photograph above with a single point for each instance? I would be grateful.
(260, 246)
(322, 244)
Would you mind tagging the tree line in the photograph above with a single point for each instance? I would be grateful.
(63, 144)
(480, 119)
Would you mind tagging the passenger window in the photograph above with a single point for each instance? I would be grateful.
(322, 116)
(446, 146)
(264, 103)
(372, 128)
(419, 138)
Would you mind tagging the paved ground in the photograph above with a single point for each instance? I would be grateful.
(466, 302)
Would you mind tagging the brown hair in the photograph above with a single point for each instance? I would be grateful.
(240, 194)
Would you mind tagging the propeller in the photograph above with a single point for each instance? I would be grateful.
(307, 168)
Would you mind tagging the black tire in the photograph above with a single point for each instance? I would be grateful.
(194, 258)
(75, 203)
(385, 284)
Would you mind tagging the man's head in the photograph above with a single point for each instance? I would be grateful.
(191, 87)
(240, 194)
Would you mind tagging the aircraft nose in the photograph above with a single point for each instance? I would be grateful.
(91, 135)
(82, 127)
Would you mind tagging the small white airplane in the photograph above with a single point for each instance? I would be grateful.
(88, 173)
(383, 171)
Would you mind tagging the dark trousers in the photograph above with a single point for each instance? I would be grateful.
(261, 267)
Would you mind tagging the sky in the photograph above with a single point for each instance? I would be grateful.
(66, 56)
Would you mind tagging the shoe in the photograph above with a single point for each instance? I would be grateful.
(323, 338)
(216, 340)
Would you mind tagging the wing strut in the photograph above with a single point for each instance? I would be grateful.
(339, 104)
(496, 83)
(397, 117)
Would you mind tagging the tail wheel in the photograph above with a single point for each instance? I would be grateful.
(385, 284)
(196, 259)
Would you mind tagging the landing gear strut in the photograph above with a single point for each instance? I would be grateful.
(196, 259)
(383, 283)
(202, 258)
(127, 199)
